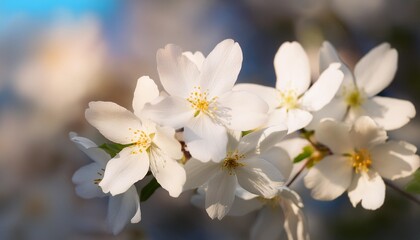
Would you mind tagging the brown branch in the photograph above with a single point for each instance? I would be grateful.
(400, 191)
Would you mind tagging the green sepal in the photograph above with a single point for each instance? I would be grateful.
(112, 148)
(414, 185)
(244, 133)
(149, 189)
(306, 152)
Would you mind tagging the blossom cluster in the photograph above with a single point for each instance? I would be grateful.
(224, 140)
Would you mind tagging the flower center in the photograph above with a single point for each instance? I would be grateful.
(231, 162)
(199, 101)
(361, 160)
(354, 98)
(288, 99)
(142, 141)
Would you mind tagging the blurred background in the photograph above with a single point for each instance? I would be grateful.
(56, 56)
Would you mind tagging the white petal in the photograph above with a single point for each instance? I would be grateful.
(197, 58)
(125, 169)
(244, 194)
(221, 68)
(277, 117)
(395, 160)
(328, 55)
(376, 69)
(365, 133)
(295, 223)
(178, 74)
(146, 91)
(268, 94)
(292, 68)
(168, 172)
(242, 207)
(291, 196)
(245, 110)
(390, 113)
(206, 140)
(324, 89)
(220, 194)
(297, 119)
(268, 224)
(335, 135)
(259, 177)
(171, 111)
(165, 140)
(329, 178)
(122, 209)
(84, 179)
(198, 173)
(336, 110)
(113, 121)
(90, 149)
(261, 139)
(280, 159)
(368, 188)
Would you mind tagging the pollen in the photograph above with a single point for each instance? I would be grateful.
(288, 99)
(354, 99)
(231, 162)
(361, 160)
(142, 141)
(100, 173)
(200, 102)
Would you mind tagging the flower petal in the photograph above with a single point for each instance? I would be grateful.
(376, 69)
(267, 226)
(168, 172)
(259, 177)
(335, 135)
(261, 139)
(297, 119)
(323, 90)
(220, 194)
(197, 58)
(146, 91)
(280, 159)
(122, 209)
(395, 160)
(242, 207)
(113, 121)
(171, 111)
(336, 110)
(295, 223)
(206, 140)
(178, 74)
(84, 179)
(90, 149)
(329, 178)
(328, 55)
(198, 173)
(368, 188)
(365, 133)
(125, 169)
(221, 68)
(268, 94)
(390, 113)
(292, 68)
(165, 140)
(246, 111)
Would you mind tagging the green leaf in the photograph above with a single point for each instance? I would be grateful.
(414, 185)
(112, 148)
(244, 133)
(306, 152)
(149, 189)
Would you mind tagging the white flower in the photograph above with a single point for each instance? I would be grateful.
(252, 162)
(200, 98)
(361, 157)
(121, 208)
(147, 144)
(373, 73)
(285, 208)
(291, 102)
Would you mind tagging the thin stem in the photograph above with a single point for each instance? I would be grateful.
(405, 194)
(297, 174)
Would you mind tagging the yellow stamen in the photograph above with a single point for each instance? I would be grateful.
(288, 99)
(231, 162)
(200, 103)
(361, 160)
(354, 99)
